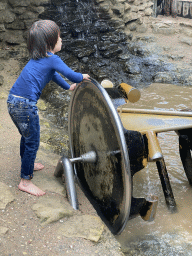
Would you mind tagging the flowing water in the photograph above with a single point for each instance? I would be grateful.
(170, 233)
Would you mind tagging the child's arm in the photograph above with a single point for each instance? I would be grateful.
(62, 68)
(60, 81)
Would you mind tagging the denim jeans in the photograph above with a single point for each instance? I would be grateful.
(24, 114)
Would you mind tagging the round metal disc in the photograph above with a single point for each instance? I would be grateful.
(94, 125)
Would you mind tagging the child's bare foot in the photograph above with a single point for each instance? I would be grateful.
(29, 187)
(38, 166)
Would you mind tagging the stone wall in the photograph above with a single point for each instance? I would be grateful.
(16, 16)
(128, 11)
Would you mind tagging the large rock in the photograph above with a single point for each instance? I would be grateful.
(118, 9)
(131, 17)
(6, 16)
(28, 16)
(21, 3)
(17, 24)
(85, 226)
(47, 182)
(12, 37)
(163, 77)
(3, 6)
(51, 209)
(6, 196)
(19, 10)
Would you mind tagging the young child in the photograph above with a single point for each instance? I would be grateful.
(43, 42)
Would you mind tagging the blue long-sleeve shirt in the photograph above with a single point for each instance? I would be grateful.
(37, 73)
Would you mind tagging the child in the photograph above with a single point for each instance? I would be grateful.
(43, 42)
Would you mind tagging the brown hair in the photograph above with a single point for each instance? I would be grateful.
(42, 37)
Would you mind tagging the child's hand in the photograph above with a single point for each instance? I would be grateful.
(72, 87)
(86, 76)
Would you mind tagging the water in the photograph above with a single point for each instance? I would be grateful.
(170, 233)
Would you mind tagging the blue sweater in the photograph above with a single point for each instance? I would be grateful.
(37, 73)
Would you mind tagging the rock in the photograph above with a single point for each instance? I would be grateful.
(41, 105)
(187, 32)
(20, 3)
(105, 6)
(28, 23)
(132, 68)
(99, 1)
(19, 10)
(142, 28)
(148, 12)
(4, 54)
(51, 209)
(13, 37)
(46, 147)
(184, 23)
(141, 7)
(3, 230)
(2, 28)
(48, 182)
(1, 67)
(38, 9)
(28, 16)
(3, 6)
(85, 226)
(163, 30)
(6, 16)
(118, 9)
(186, 41)
(138, 49)
(163, 77)
(130, 17)
(136, 2)
(41, 2)
(175, 57)
(134, 8)
(127, 7)
(132, 26)
(1, 80)
(6, 196)
(17, 24)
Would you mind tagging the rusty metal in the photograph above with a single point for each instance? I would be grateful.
(132, 94)
(123, 91)
(154, 150)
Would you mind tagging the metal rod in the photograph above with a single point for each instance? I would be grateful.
(70, 182)
(153, 147)
(166, 186)
(89, 157)
(155, 112)
(167, 129)
(77, 159)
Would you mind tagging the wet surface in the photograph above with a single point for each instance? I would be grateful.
(170, 233)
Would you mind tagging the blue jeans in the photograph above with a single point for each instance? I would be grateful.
(24, 114)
